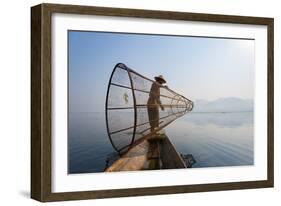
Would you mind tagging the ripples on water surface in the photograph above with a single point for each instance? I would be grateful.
(214, 139)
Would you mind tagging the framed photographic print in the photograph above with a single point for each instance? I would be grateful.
(128, 102)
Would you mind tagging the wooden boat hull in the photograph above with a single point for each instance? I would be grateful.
(149, 154)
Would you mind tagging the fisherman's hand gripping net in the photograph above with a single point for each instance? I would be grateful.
(134, 111)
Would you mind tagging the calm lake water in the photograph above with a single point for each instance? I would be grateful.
(214, 139)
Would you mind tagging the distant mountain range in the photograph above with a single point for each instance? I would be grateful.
(228, 104)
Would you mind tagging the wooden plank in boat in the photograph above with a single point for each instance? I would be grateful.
(140, 156)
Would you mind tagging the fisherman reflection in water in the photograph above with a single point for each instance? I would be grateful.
(154, 103)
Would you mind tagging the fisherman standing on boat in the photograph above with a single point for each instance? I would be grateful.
(154, 102)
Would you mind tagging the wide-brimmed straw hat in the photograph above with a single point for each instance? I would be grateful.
(160, 77)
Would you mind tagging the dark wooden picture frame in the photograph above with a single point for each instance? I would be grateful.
(41, 101)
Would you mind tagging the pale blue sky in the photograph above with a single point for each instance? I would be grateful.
(196, 67)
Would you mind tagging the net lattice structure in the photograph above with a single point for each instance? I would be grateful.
(137, 107)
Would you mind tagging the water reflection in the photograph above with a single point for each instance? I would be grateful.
(221, 119)
(188, 159)
(215, 139)
(88, 143)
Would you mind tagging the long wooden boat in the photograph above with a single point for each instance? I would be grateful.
(151, 153)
